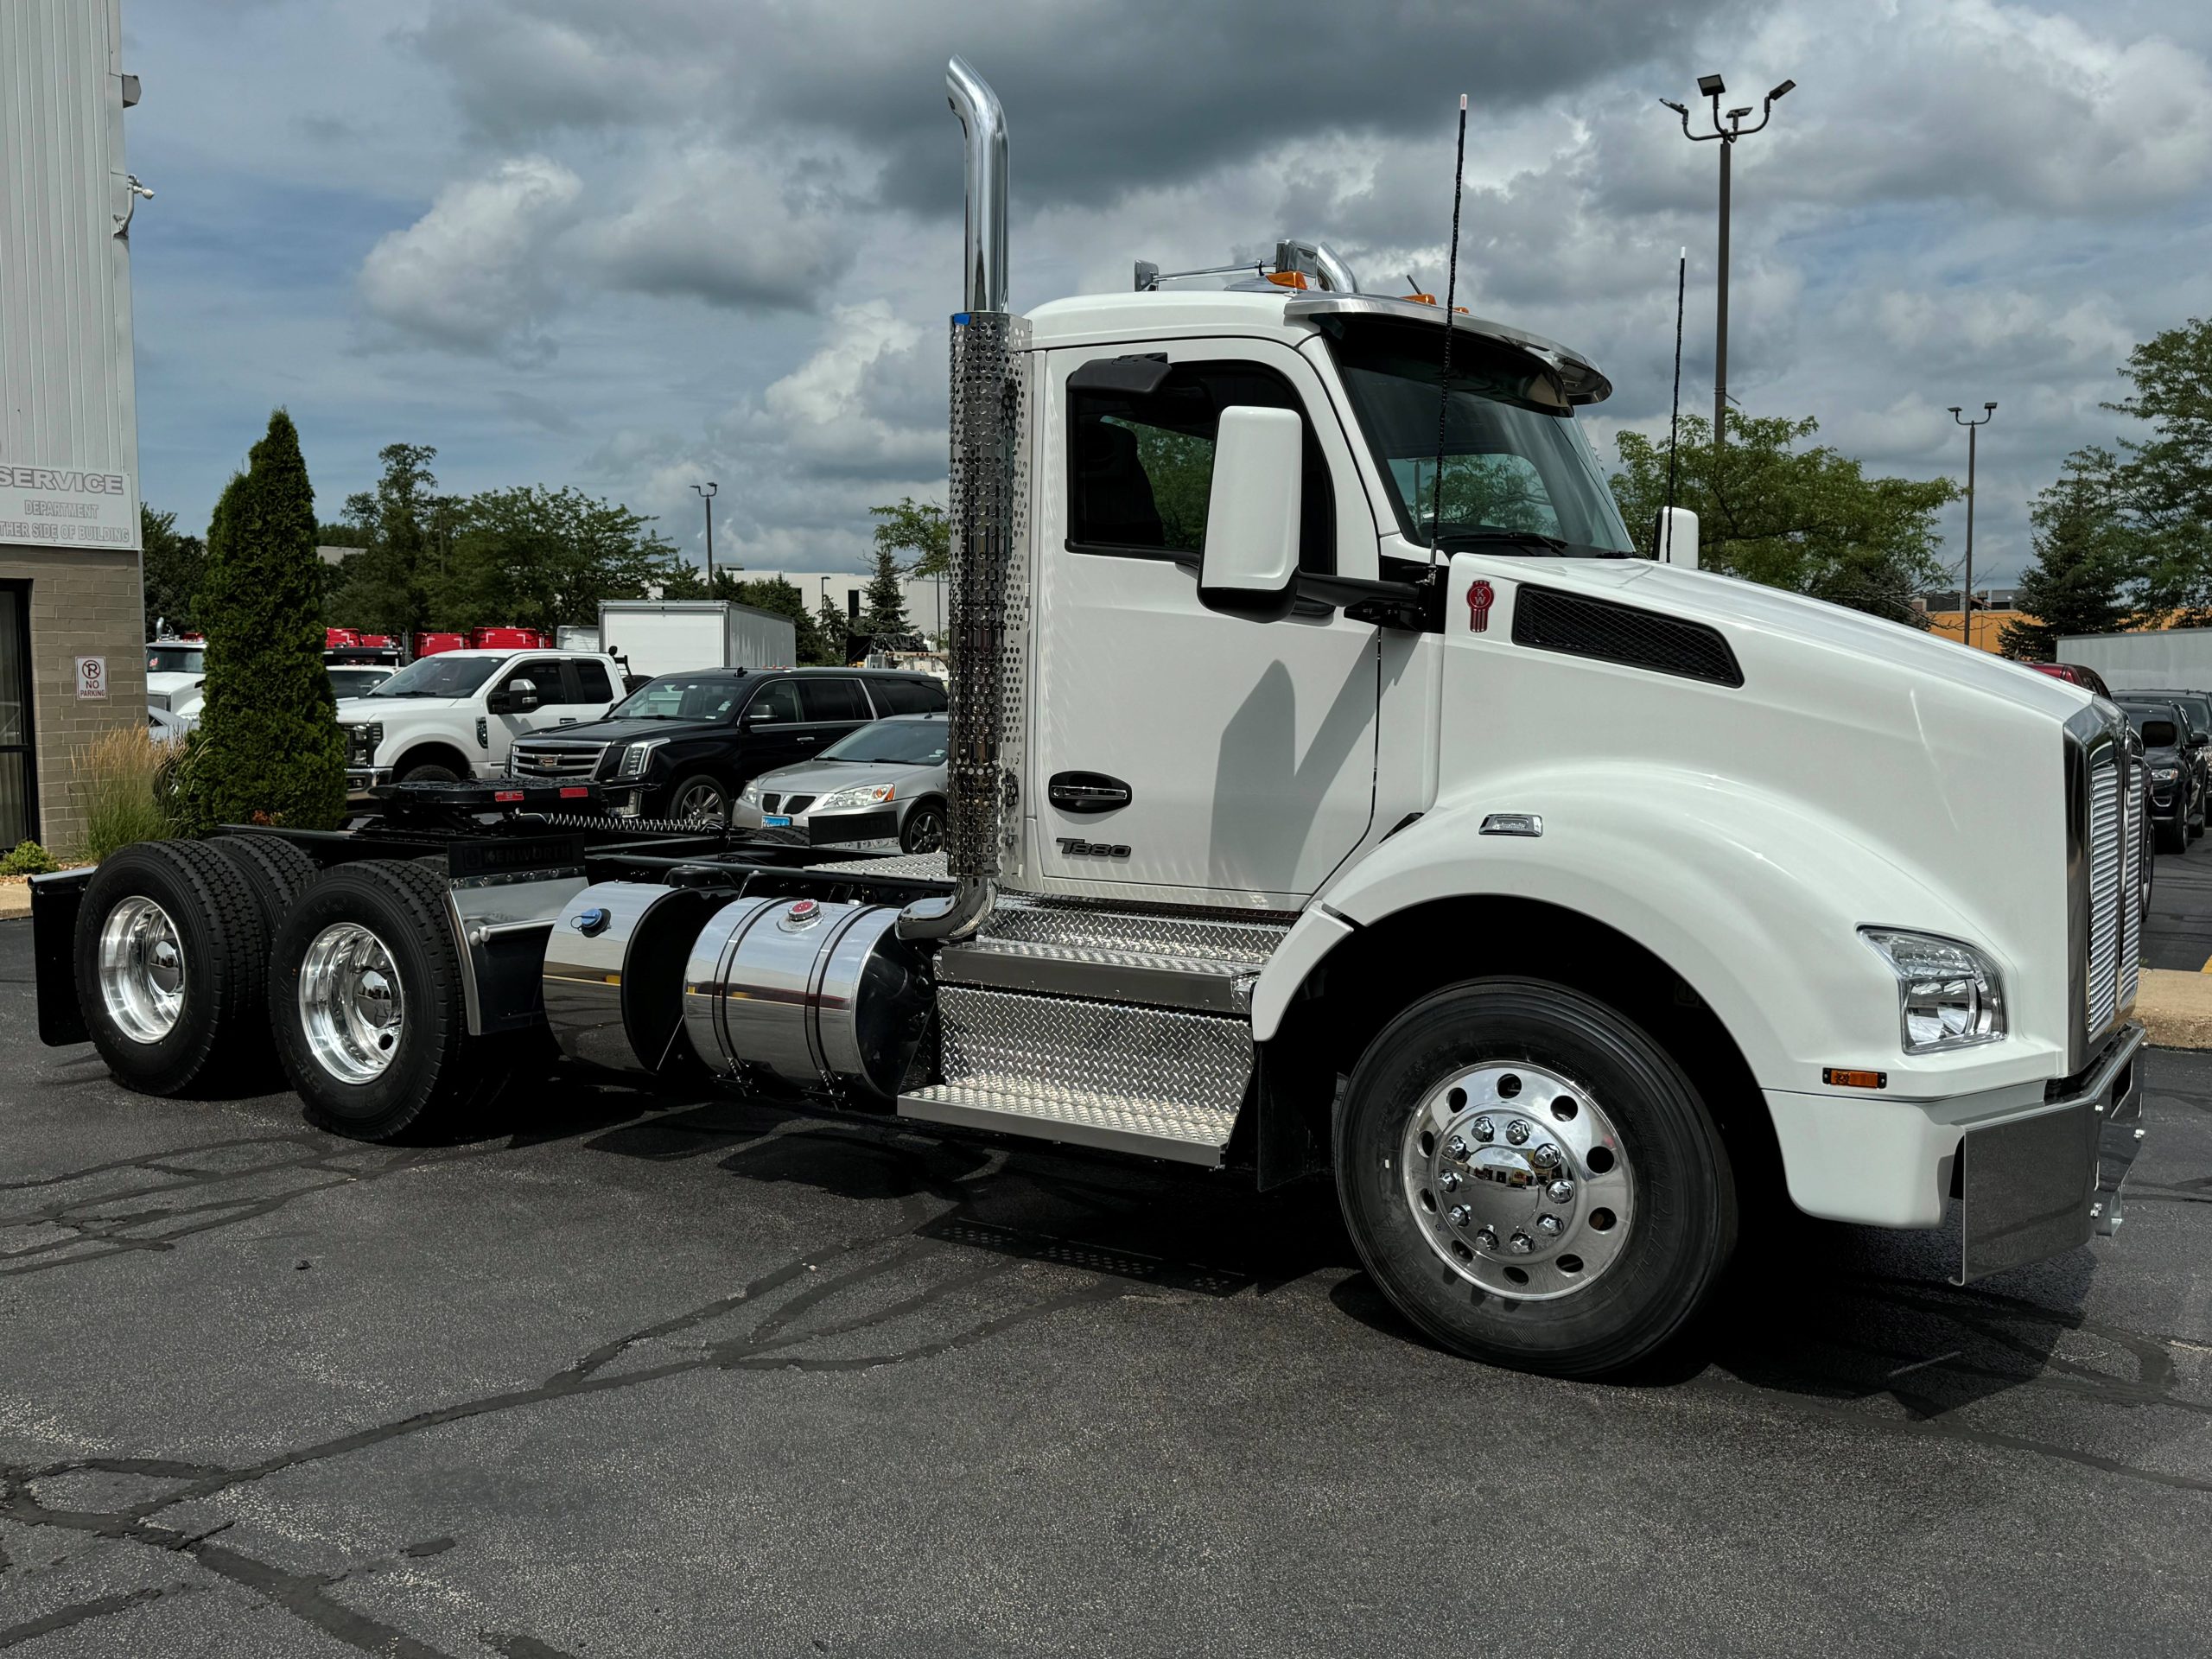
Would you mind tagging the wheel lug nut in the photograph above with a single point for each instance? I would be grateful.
(1518, 1131)
(1546, 1156)
(1549, 1226)
(1456, 1146)
(1520, 1244)
(1460, 1215)
(1561, 1191)
(1487, 1239)
(1484, 1129)
(1449, 1180)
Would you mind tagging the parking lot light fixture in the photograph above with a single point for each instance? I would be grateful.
(1966, 590)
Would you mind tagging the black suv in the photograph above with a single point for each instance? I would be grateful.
(683, 745)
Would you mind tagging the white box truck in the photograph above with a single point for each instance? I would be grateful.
(652, 637)
(2168, 659)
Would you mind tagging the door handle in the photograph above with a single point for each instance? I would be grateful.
(1087, 792)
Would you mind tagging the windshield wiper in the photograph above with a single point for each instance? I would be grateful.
(1478, 534)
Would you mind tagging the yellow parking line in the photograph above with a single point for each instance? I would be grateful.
(2207, 968)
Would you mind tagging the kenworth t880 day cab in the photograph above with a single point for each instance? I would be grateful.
(1308, 813)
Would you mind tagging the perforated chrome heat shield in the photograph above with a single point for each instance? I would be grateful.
(987, 592)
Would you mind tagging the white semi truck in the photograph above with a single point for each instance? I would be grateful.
(1313, 809)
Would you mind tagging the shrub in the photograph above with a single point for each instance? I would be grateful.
(29, 859)
(268, 749)
(121, 774)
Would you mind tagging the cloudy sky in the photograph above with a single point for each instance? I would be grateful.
(631, 244)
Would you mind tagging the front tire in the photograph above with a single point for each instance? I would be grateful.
(924, 830)
(365, 999)
(699, 798)
(1532, 1180)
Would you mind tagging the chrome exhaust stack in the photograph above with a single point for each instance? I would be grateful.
(988, 413)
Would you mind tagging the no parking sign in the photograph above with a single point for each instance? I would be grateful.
(92, 679)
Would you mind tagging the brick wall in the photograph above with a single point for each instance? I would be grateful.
(81, 605)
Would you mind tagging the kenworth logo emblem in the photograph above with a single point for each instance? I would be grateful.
(1479, 600)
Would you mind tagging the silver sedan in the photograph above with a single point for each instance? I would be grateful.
(883, 784)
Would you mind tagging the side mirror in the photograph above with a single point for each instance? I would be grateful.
(516, 697)
(1674, 537)
(1249, 566)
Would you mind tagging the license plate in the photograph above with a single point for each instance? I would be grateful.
(772, 821)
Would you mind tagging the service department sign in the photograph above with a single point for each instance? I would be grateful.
(68, 506)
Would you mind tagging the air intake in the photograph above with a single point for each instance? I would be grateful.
(1544, 619)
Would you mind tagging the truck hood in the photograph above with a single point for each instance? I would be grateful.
(358, 711)
(171, 684)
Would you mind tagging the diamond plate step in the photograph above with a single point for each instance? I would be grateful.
(1166, 1082)
(1101, 926)
(1213, 985)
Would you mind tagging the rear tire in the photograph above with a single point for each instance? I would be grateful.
(1589, 1208)
(924, 830)
(378, 1043)
(171, 966)
(276, 871)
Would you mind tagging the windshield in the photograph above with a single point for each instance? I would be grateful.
(442, 675)
(354, 682)
(175, 659)
(908, 743)
(683, 696)
(2199, 709)
(1514, 459)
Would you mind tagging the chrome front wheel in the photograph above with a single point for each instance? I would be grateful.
(1518, 1180)
(352, 1009)
(142, 970)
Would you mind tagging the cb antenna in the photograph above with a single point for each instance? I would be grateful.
(1444, 381)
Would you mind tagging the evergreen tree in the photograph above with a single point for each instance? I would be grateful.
(172, 565)
(268, 749)
(1809, 520)
(835, 633)
(883, 609)
(2084, 554)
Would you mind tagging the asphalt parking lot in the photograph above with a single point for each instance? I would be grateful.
(2178, 931)
(632, 1379)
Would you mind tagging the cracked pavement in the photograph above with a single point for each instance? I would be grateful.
(640, 1377)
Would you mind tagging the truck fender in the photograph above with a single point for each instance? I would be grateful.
(1753, 900)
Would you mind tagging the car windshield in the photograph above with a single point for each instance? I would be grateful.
(442, 675)
(355, 682)
(1518, 471)
(905, 742)
(683, 696)
(2199, 709)
(175, 659)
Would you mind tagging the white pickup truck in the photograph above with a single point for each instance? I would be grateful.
(456, 715)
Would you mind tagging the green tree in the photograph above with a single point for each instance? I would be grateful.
(834, 631)
(1807, 520)
(883, 608)
(916, 527)
(385, 586)
(268, 749)
(173, 567)
(536, 558)
(2085, 556)
(2165, 480)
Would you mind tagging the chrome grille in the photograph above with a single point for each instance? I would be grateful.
(2131, 908)
(2107, 863)
(565, 761)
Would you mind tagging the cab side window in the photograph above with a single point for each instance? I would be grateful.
(906, 697)
(776, 702)
(592, 683)
(1140, 465)
(833, 700)
(544, 678)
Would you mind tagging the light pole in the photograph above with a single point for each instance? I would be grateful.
(1965, 592)
(1727, 129)
(706, 493)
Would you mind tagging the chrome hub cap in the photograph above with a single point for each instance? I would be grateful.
(142, 970)
(351, 1005)
(1518, 1180)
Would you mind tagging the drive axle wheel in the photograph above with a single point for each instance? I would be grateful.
(1532, 1180)
(365, 1001)
(170, 956)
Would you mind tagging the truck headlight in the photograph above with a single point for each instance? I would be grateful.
(1950, 994)
(637, 757)
(362, 743)
(866, 795)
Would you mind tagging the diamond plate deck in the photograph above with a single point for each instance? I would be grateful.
(1248, 937)
(1116, 1126)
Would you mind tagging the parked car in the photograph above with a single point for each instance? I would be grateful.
(2196, 707)
(2177, 786)
(684, 744)
(885, 783)
(2074, 674)
(357, 679)
(457, 715)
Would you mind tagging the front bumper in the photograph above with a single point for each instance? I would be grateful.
(2042, 1184)
(359, 780)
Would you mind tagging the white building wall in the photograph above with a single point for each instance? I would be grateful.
(925, 596)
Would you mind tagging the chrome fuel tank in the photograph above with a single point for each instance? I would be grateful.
(613, 977)
(825, 995)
